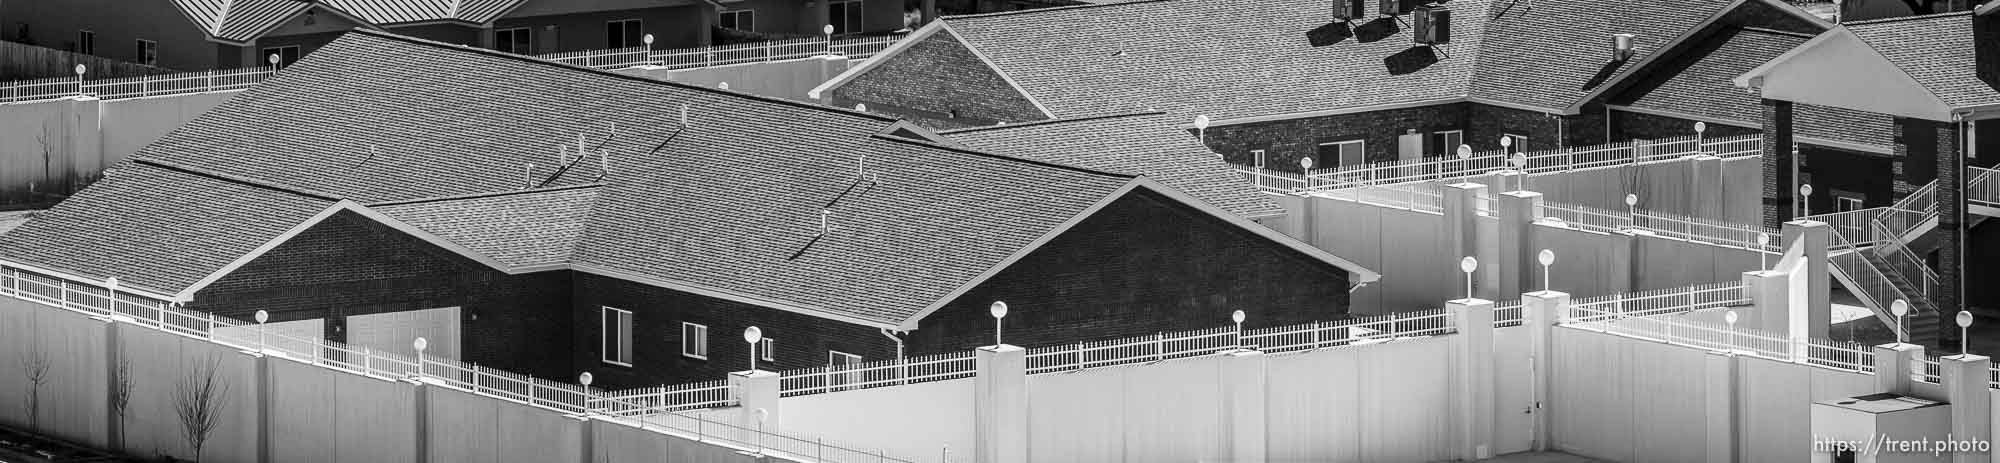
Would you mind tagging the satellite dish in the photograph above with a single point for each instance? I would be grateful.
(1964, 319)
(1547, 257)
(1236, 316)
(1464, 152)
(1468, 264)
(752, 335)
(1201, 122)
(1899, 308)
(263, 316)
(997, 310)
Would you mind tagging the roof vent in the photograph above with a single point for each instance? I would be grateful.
(1348, 10)
(529, 178)
(825, 219)
(1433, 24)
(1622, 47)
(1396, 7)
(684, 116)
(605, 159)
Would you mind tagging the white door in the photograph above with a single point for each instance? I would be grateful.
(394, 332)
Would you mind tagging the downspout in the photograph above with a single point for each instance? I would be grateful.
(900, 373)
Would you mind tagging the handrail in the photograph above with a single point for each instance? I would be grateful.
(1909, 260)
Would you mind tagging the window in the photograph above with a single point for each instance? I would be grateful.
(844, 16)
(86, 42)
(1847, 203)
(842, 361)
(617, 336)
(1520, 142)
(838, 360)
(1257, 158)
(694, 340)
(147, 52)
(519, 40)
(767, 349)
(1445, 142)
(286, 55)
(624, 34)
(1340, 153)
(742, 20)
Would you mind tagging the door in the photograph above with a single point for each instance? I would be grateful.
(395, 331)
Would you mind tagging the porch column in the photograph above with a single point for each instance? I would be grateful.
(1814, 236)
(1951, 219)
(1780, 164)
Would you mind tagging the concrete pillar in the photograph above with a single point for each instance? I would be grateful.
(1779, 163)
(1625, 278)
(1461, 231)
(262, 364)
(1000, 405)
(1818, 306)
(486, 37)
(83, 127)
(1540, 311)
(114, 428)
(1474, 374)
(754, 390)
(1769, 300)
(587, 452)
(1891, 359)
(1705, 199)
(1505, 180)
(1951, 219)
(1243, 396)
(1517, 212)
(1725, 420)
(1964, 378)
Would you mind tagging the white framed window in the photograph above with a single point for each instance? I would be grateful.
(86, 42)
(617, 336)
(1341, 153)
(694, 340)
(1520, 142)
(519, 40)
(845, 17)
(840, 360)
(624, 33)
(1257, 158)
(1445, 142)
(286, 55)
(767, 349)
(1845, 203)
(147, 52)
(742, 20)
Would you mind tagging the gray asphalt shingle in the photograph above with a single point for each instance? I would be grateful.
(1150, 144)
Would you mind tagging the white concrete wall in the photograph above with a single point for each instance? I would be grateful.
(929, 416)
(320, 415)
(71, 403)
(83, 137)
(789, 79)
(1382, 402)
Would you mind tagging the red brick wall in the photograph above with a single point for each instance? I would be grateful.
(939, 83)
(350, 265)
(1140, 266)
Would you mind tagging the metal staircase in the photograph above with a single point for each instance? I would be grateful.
(1876, 252)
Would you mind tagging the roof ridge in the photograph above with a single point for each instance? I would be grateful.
(1906, 18)
(1050, 9)
(239, 179)
(1004, 157)
(490, 194)
(600, 72)
(1776, 32)
(1051, 122)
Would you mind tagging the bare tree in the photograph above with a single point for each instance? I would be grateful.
(35, 365)
(200, 399)
(121, 396)
(48, 154)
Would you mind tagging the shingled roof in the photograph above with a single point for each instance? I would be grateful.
(1701, 88)
(244, 20)
(1939, 51)
(1924, 67)
(690, 188)
(1252, 59)
(1150, 144)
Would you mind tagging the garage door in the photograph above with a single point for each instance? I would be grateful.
(394, 331)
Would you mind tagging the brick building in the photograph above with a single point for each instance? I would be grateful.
(576, 220)
(1291, 79)
(226, 34)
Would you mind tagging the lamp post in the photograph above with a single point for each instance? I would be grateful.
(1632, 209)
(1964, 320)
(1468, 265)
(1201, 129)
(1699, 127)
(1464, 153)
(751, 335)
(1547, 258)
(111, 305)
(420, 344)
(1763, 242)
(1520, 163)
(262, 317)
(827, 31)
(1306, 166)
(999, 312)
(1730, 318)
(79, 79)
(274, 59)
(1805, 198)
(1899, 309)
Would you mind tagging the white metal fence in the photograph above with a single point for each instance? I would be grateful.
(834, 378)
(1448, 168)
(663, 409)
(242, 78)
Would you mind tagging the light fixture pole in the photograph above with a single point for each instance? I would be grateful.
(1238, 317)
(1547, 259)
(420, 344)
(1468, 265)
(1899, 309)
(262, 317)
(752, 335)
(999, 312)
(1730, 318)
(1964, 320)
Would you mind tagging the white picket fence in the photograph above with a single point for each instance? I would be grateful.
(243, 78)
(1444, 169)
